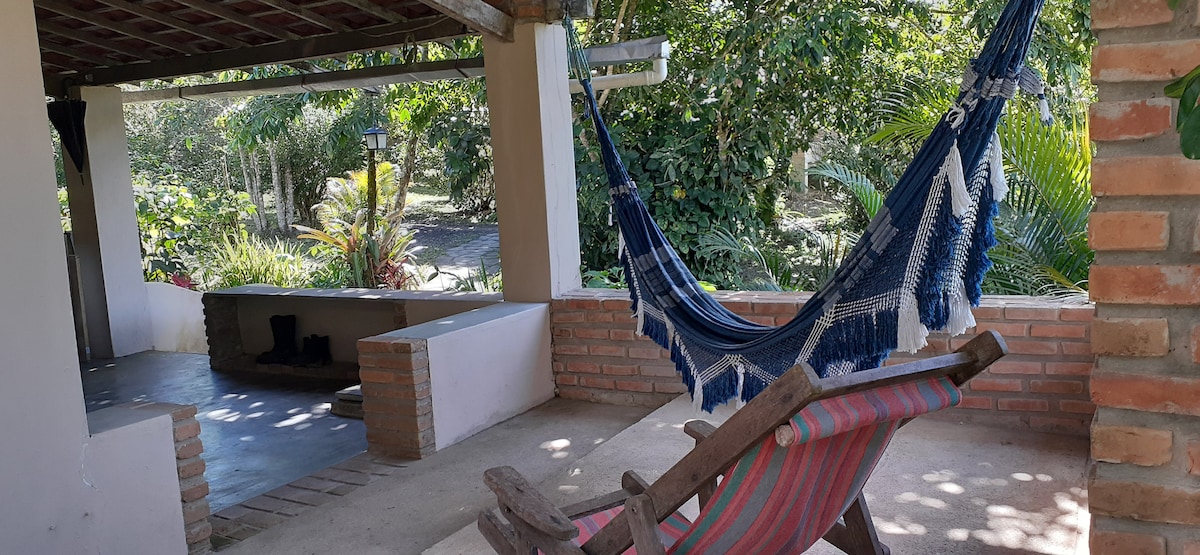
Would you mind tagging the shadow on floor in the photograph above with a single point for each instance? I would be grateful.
(258, 433)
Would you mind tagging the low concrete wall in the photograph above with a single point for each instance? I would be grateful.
(238, 321)
(177, 318)
(1042, 384)
(430, 386)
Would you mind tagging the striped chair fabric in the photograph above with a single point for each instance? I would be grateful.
(783, 499)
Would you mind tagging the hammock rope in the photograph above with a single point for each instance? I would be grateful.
(919, 266)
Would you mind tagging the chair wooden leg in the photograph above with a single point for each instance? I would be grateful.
(856, 534)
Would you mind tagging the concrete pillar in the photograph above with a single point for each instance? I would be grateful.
(104, 227)
(533, 151)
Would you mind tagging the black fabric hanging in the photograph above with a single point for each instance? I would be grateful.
(67, 117)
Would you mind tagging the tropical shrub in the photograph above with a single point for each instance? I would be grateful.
(175, 222)
(246, 259)
(380, 260)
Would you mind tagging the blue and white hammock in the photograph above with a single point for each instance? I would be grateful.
(918, 267)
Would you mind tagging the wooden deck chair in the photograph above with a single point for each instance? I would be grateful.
(793, 460)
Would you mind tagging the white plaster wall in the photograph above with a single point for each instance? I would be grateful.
(46, 506)
(486, 366)
(116, 219)
(130, 463)
(177, 318)
(344, 321)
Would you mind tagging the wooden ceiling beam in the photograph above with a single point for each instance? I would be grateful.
(240, 18)
(80, 36)
(172, 21)
(60, 7)
(323, 46)
(75, 53)
(307, 14)
(476, 14)
(374, 9)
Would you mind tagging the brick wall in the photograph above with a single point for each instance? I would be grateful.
(1042, 384)
(397, 397)
(1145, 487)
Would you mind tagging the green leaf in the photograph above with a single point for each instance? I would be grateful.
(1189, 136)
(1175, 89)
(1187, 103)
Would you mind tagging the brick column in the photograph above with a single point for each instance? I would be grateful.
(1145, 487)
(397, 397)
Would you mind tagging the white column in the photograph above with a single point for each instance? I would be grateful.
(533, 150)
(104, 226)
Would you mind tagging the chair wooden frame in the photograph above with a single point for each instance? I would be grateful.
(534, 523)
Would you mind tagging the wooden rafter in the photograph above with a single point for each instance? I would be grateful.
(305, 13)
(75, 53)
(172, 21)
(59, 7)
(80, 36)
(366, 6)
(476, 14)
(323, 46)
(241, 19)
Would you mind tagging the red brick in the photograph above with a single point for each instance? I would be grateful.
(583, 304)
(1146, 502)
(632, 385)
(643, 353)
(583, 367)
(1028, 313)
(620, 305)
(189, 448)
(1130, 120)
(1056, 386)
(566, 379)
(1039, 405)
(988, 313)
(596, 317)
(606, 350)
(1129, 231)
(376, 376)
(562, 333)
(591, 333)
(1104, 542)
(619, 370)
(1149, 393)
(1068, 368)
(1018, 367)
(1129, 444)
(565, 317)
(1005, 329)
(622, 335)
(996, 384)
(560, 349)
(400, 361)
(183, 412)
(738, 307)
(1113, 14)
(982, 403)
(385, 344)
(1072, 331)
(658, 370)
(1076, 407)
(775, 308)
(185, 429)
(1131, 337)
(1146, 175)
(198, 533)
(1147, 61)
(1193, 452)
(673, 387)
(1196, 344)
(1076, 313)
(1155, 285)
(1191, 548)
(1031, 347)
(194, 492)
(597, 383)
(764, 320)
(190, 467)
(195, 511)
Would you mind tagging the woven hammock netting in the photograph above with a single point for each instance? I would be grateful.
(918, 267)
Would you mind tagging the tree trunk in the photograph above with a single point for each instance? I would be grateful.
(252, 189)
(410, 166)
(277, 188)
(289, 197)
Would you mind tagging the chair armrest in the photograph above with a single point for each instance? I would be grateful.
(698, 429)
(520, 500)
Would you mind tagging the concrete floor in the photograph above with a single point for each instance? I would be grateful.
(942, 487)
(258, 433)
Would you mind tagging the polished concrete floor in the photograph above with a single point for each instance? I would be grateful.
(258, 433)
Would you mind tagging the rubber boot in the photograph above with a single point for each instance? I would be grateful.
(321, 349)
(283, 332)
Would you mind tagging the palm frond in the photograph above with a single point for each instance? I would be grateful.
(859, 184)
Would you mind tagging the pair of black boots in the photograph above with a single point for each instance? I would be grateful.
(283, 331)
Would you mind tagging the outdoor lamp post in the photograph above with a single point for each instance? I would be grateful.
(376, 139)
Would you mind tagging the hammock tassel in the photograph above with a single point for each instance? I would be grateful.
(910, 332)
(641, 317)
(996, 169)
(620, 244)
(698, 396)
(961, 317)
(741, 377)
(1044, 108)
(960, 199)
